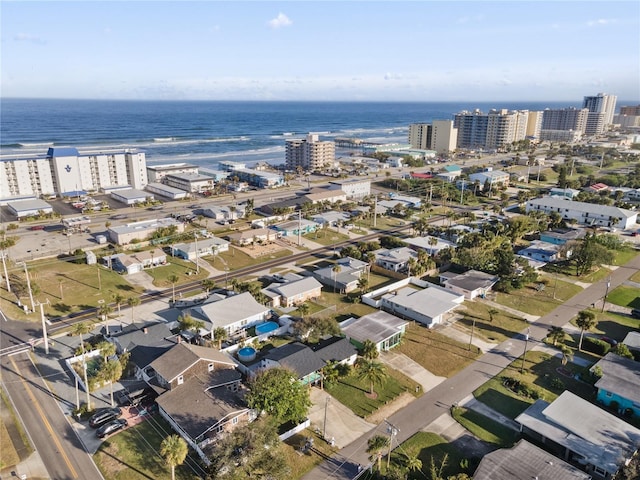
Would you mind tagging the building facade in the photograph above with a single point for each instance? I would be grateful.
(309, 153)
(440, 136)
(64, 170)
(601, 108)
(492, 130)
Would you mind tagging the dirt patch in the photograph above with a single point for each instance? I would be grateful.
(400, 402)
(258, 251)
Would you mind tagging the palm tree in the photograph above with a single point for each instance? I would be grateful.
(104, 310)
(567, 354)
(369, 350)
(492, 312)
(363, 284)
(207, 285)
(336, 270)
(106, 349)
(220, 335)
(187, 322)
(81, 329)
(174, 450)
(371, 259)
(111, 372)
(372, 372)
(375, 446)
(303, 309)
(586, 321)
(118, 300)
(173, 279)
(556, 334)
(133, 302)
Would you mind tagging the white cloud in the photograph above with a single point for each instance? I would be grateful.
(28, 37)
(280, 21)
(393, 76)
(600, 21)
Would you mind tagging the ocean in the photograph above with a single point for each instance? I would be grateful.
(204, 133)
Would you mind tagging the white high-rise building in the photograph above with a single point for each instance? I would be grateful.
(440, 136)
(309, 153)
(601, 109)
(63, 170)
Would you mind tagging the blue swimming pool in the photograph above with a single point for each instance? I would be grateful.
(266, 328)
(247, 354)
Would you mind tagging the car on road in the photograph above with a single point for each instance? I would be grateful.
(36, 227)
(111, 427)
(120, 216)
(104, 416)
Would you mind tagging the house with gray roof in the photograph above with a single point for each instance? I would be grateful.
(619, 384)
(297, 357)
(632, 341)
(233, 313)
(542, 251)
(345, 277)
(589, 214)
(382, 328)
(123, 234)
(429, 306)
(295, 292)
(395, 259)
(432, 245)
(200, 248)
(562, 236)
(336, 349)
(471, 283)
(581, 433)
(145, 343)
(525, 461)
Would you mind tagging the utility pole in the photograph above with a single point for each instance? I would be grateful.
(526, 343)
(375, 210)
(604, 300)
(6, 275)
(473, 326)
(33, 305)
(462, 193)
(393, 431)
(44, 329)
(324, 428)
(299, 227)
(195, 236)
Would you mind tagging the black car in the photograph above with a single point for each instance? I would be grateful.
(103, 416)
(635, 313)
(111, 427)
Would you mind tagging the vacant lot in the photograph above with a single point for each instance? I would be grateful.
(535, 301)
(492, 325)
(437, 353)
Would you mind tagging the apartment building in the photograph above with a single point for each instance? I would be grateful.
(157, 172)
(492, 130)
(64, 169)
(440, 135)
(601, 108)
(309, 153)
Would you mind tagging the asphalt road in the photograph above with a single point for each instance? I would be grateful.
(423, 411)
(54, 439)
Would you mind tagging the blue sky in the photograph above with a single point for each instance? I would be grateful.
(321, 50)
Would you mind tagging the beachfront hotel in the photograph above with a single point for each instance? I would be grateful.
(309, 153)
(63, 171)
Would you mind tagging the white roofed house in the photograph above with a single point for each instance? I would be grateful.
(429, 306)
(382, 328)
(471, 284)
(589, 214)
(343, 276)
(395, 259)
(233, 313)
(295, 292)
(200, 248)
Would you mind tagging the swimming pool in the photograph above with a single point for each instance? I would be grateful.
(266, 328)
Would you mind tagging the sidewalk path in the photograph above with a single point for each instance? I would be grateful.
(526, 316)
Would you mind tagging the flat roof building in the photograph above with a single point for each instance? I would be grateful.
(121, 235)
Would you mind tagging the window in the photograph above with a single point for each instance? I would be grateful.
(235, 420)
(180, 379)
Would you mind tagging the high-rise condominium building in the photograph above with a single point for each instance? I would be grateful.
(630, 110)
(63, 170)
(440, 136)
(493, 130)
(565, 119)
(309, 153)
(601, 108)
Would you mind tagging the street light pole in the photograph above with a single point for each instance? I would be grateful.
(604, 300)
(44, 329)
(324, 428)
(393, 431)
(524, 355)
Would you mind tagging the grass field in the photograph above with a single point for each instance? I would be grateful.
(8, 454)
(235, 259)
(538, 302)
(353, 392)
(485, 428)
(301, 463)
(625, 296)
(437, 353)
(493, 328)
(542, 373)
(327, 236)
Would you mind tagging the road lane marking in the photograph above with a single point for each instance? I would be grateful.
(45, 421)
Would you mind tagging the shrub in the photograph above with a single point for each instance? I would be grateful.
(595, 345)
(557, 384)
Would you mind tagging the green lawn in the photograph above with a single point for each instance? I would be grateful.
(541, 372)
(635, 277)
(538, 302)
(612, 325)
(235, 259)
(625, 296)
(503, 326)
(438, 353)
(485, 428)
(354, 393)
(300, 463)
(342, 307)
(327, 236)
(69, 287)
(430, 447)
(132, 454)
(183, 269)
(624, 256)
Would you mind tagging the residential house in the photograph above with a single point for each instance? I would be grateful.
(220, 213)
(233, 313)
(144, 343)
(542, 251)
(562, 236)
(297, 357)
(525, 461)
(395, 259)
(331, 218)
(589, 214)
(137, 262)
(320, 195)
(203, 397)
(345, 277)
(450, 173)
(200, 248)
(124, 234)
(382, 328)
(569, 193)
(632, 341)
(581, 433)
(252, 235)
(619, 385)
(471, 283)
(429, 306)
(295, 227)
(432, 245)
(353, 188)
(295, 292)
(336, 349)
(597, 188)
(491, 177)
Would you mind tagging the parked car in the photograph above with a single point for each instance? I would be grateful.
(103, 416)
(610, 341)
(111, 427)
(635, 313)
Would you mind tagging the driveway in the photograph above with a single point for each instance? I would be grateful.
(411, 369)
(342, 424)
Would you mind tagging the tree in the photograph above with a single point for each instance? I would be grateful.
(492, 312)
(187, 323)
(556, 335)
(375, 446)
(622, 350)
(369, 350)
(363, 284)
(586, 321)
(106, 349)
(133, 302)
(207, 285)
(173, 279)
(436, 471)
(81, 329)
(372, 372)
(174, 450)
(303, 309)
(220, 335)
(590, 253)
(412, 462)
(111, 372)
(278, 392)
(336, 270)
(567, 354)
(104, 310)
(118, 299)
